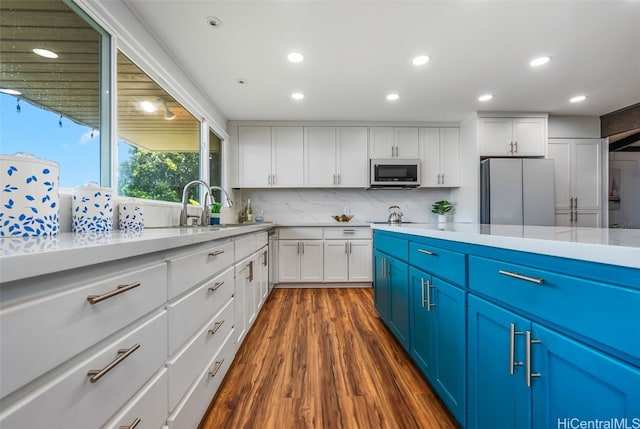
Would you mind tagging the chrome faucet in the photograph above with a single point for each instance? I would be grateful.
(227, 201)
(204, 217)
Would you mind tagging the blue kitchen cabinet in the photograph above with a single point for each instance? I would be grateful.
(581, 383)
(397, 273)
(498, 395)
(438, 337)
(380, 285)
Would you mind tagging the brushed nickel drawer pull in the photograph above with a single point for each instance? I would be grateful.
(521, 277)
(528, 344)
(216, 368)
(427, 252)
(132, 425)
(348, 231)
(216, 252)
(216, 326)
(265, 258)
(512, 347)
(94, 299)
(215, 286)
(95, 375)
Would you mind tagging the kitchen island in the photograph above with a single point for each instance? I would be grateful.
(516, 326)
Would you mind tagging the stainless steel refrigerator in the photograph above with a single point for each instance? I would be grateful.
(517, 191)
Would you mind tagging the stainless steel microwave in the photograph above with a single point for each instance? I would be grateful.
(394, 173)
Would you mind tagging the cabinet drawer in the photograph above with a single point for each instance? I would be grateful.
(572, 303)
(262, 239)
(340, 233)
(44, 332)
(300, 233)
(245, 245)
(449, 265)
(189, 313)
(185, 367)
(397, 247)
(70, 400)
(189, 270)
(193, 406)
(149, 405)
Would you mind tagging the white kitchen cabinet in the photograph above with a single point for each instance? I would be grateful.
(503, 136)
(335, 157)
(393, 142)
(578, 186)
(440, 157)
(300, 261)
(270, 156)
(347, 255)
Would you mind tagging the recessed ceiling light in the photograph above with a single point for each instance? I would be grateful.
(241, 81)
(537, 62)
(295, 57)
(45, 53)
(214, 22)
(297, 96)
(485, 97)
(147, 106)
(578, 98)
(393, 97)
(420, 60)
(10, 91)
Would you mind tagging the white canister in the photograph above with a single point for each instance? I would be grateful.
(91, 208)
(130, 217)
(29, 198)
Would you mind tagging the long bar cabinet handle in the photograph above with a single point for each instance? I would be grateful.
(265, 258)
(95, 375)
(512, 347)
(216, 368)
(529, 342)
(429, 286)
(215, 328)
(521, 277)
(215, 286)
(427, 252)
(132, 425)
(94, 299)
(422, 284)
(216, 253)
(384, 267)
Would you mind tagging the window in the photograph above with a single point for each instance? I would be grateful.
(215, 163)
(55, 107)
(158, 139)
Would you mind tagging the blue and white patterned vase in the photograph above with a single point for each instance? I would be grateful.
(131, 217)
(91, 208)
(29, 201)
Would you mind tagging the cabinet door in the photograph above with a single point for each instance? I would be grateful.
(430, 174)
(240, 301)
(381, 142)
(449, 335)
(336, 267)
(287, 157)
(254, 156)
(560, 152)
(311, 261)
(351, 157)
(587, 218)
(407, 142)
(579, 382)
(586, 174)
(496, 136)
(251, 294)
(497, 398)
(399, 300)
(320, 157)
(422, 322)
(264, 274)
(450, 156)
(288, 261)
(381, 284)
(360, 261)
(529, 136)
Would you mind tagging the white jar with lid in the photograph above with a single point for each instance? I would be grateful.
(91, 208)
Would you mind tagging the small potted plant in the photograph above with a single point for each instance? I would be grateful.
(215, 213)
(442, 209)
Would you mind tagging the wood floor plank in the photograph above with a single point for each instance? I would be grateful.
(322, 358)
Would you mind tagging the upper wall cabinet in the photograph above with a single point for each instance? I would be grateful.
(393, 142)
(270, 156)
(440, 157)
(335, 157)
(504, 136)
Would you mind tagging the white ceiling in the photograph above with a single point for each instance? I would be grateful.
(359, 51)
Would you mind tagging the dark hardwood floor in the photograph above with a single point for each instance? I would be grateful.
(321, 358)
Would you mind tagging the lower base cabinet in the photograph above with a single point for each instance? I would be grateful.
(523, 375)
(438, 340)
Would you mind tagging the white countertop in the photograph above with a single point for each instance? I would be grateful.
(609, 246)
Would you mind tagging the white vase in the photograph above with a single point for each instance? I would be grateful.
(442, 218)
